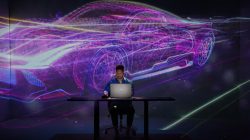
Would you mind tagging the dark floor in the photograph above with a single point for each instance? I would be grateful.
(67, 129)
(121, 137)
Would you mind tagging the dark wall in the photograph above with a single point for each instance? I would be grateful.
(4, 103)
(196, 8)
(245, 63)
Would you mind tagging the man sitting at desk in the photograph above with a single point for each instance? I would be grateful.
(116, 107)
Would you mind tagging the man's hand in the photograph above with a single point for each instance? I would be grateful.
(105, 93)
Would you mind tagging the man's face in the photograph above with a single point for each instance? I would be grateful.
(119, 74)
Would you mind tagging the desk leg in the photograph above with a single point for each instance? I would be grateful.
(146, 119)
(96, 120)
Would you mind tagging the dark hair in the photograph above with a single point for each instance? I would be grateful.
(119, 67)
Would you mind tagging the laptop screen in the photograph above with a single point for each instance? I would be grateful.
(120, 90)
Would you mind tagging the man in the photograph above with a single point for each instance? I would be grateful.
(116, 107)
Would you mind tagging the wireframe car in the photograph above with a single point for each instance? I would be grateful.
(83, 47)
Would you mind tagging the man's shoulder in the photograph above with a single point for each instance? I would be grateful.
(112, 80)
(127, 80)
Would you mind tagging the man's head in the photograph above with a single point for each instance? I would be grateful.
(119, 72)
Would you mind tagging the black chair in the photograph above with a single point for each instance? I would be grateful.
(121, 127)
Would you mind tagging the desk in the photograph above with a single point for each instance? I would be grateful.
(97, 114)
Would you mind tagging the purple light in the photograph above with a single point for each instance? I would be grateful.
(80, 50)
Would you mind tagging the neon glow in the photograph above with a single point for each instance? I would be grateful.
(82, 48)
(204, 106)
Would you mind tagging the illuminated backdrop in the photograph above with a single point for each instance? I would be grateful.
(198, 53)
(82, 48)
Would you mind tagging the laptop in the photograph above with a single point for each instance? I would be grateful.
(120, 90)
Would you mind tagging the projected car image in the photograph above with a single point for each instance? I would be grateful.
(80, 50)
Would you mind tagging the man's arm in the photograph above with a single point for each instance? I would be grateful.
(132, 86)
(133, 89)
(107, 89)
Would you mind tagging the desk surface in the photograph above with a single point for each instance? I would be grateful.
(81, 98)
